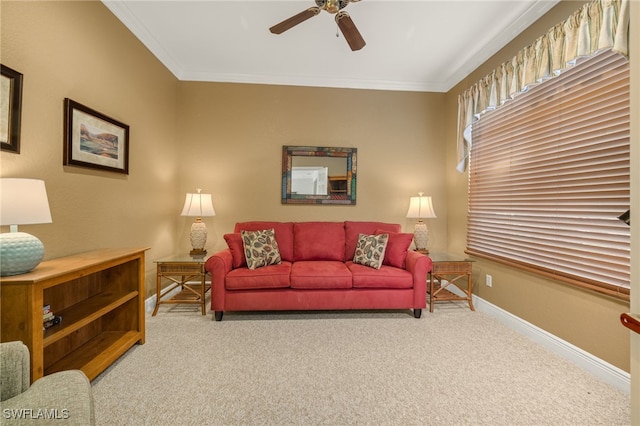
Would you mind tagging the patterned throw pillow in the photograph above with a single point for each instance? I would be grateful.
(370, 250)
(260, 248)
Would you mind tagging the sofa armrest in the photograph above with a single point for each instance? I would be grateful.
(14, 369)
(67, 397)
(419, 265)
(219, 265)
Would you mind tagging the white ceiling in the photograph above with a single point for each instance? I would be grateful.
(411, 45)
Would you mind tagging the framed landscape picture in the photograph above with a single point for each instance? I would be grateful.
(10, 109)
(94, 140)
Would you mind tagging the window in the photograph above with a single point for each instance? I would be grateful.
(549, 176)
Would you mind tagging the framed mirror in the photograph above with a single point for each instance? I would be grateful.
(318, 175)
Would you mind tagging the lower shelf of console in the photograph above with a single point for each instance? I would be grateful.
(94, 356)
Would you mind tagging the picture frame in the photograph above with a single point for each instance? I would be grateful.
(94, 140)
(325, 175)
(10, 109)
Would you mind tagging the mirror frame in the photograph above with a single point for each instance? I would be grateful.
(350, 154)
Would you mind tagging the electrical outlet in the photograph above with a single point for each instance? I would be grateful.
(488, 280)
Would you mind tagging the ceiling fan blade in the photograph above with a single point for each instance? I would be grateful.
(349, 31)
(294, 20)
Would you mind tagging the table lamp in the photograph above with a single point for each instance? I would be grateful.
(421, 208)
(198, 205)
(22, 202)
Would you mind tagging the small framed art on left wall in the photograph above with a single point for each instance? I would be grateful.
(10, 109)
(94, 140)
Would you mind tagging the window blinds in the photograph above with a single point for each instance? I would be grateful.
(549, 176)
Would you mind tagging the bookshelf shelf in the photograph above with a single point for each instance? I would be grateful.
(96, 354)
(81, 314)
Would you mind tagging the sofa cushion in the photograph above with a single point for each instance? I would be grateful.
(385, 277)
(234, 242)
(396, 253)
(320, 274)
(283, 232)
(353, 229)
(370, 250)
(319, 241)
(272, 276)
(260, 248)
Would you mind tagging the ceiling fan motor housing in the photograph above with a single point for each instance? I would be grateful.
(332, 6)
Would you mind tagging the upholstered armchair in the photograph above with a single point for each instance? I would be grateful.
(63, 398)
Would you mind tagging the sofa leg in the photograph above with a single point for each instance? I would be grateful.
(417, 313)
(218, 315)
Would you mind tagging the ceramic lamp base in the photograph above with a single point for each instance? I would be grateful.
(19, 253)
(198, 237)
(421, 235)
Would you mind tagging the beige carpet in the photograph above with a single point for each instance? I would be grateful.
(452, 367)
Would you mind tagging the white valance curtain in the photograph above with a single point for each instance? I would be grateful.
(598, 25)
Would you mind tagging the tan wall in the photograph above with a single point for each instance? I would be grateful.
(583, 318)
(223, 138)
(79, 50)
(232, 147)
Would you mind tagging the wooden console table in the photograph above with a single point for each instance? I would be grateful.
(98, 294)
(450, 270)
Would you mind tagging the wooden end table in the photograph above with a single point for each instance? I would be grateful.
(450, 270)
(182, 271)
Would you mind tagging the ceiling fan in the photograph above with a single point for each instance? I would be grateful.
(346, 25)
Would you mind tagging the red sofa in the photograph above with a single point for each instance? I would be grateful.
(317, 271)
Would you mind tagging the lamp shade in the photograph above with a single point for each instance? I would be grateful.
(421, 208)
(198, 205)
(23, 202)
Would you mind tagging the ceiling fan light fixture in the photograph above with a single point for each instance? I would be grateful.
(332, 6)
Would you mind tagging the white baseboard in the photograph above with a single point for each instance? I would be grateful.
(150, 302)
(604, 371)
